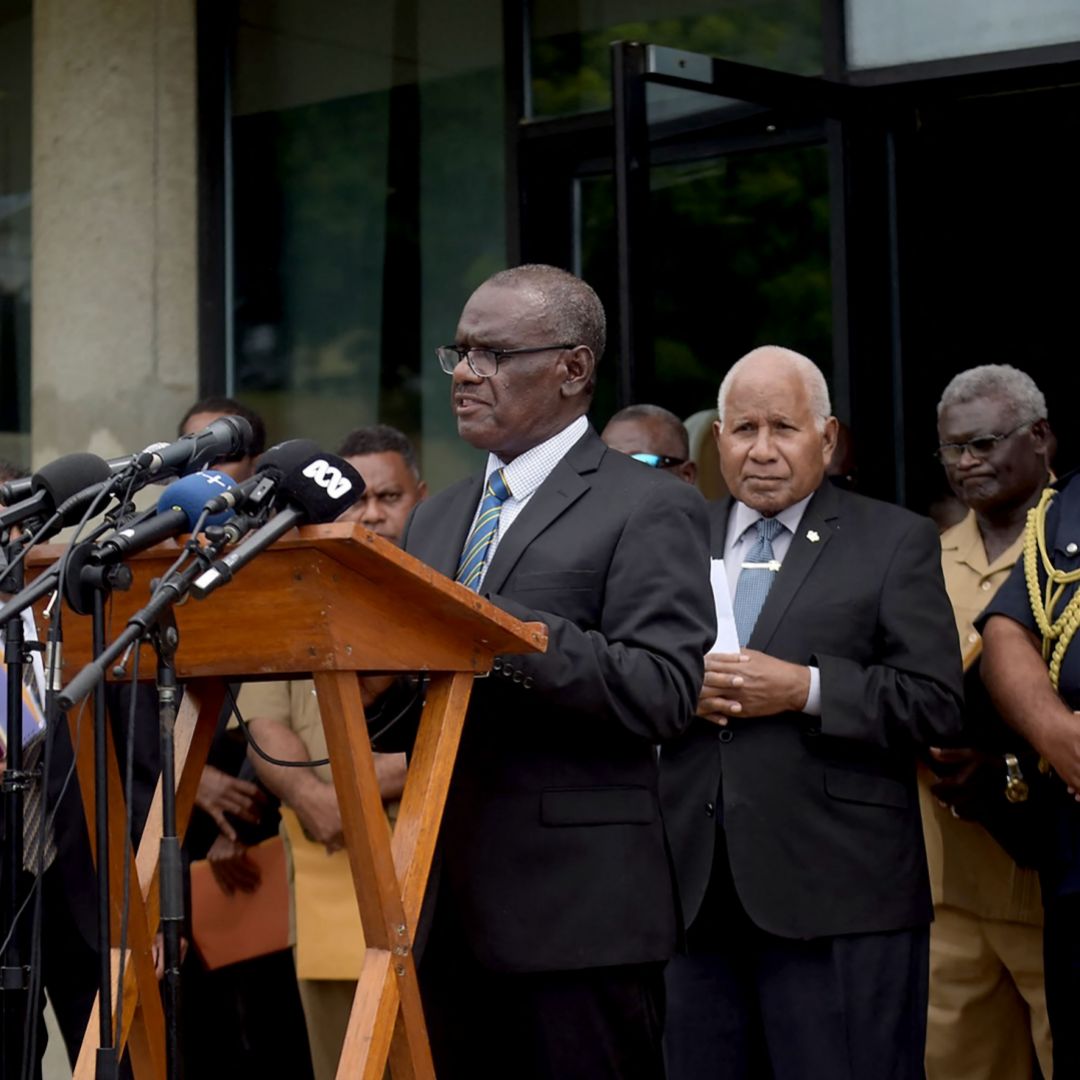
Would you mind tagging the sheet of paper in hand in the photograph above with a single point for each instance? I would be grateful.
(727, 638)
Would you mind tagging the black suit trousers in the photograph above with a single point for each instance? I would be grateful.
(1061, 952)
(593, 1024)
(744, 1004)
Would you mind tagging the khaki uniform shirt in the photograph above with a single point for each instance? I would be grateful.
(326, 921)
(968, 868)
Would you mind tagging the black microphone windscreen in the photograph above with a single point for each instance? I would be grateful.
(243, 435)
(288, 456)
(323, 486)
(68, 475)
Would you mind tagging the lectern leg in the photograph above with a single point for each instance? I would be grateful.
(387, 1017)
(431, 766)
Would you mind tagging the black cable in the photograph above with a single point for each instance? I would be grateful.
(63, 790)
(36, 892)
(251, 741)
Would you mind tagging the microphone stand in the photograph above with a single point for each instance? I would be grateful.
(87, 587)
(156, 622)
(14, 967)
(48, 580)
(15, 971)
(164, 637)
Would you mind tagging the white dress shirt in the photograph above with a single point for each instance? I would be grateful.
(523, 476)
(741, 537)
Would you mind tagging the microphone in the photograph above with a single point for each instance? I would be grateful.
(68, 484)
(224, 437)
(272, 467)
(14, 490)
(178, 510)
(315, 489)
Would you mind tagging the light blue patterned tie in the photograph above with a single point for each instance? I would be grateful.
(755, 579)
(474, 556)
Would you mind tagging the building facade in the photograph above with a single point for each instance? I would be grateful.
(289, 202)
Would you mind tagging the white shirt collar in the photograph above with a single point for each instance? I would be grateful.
(743, 517)
(529, 470)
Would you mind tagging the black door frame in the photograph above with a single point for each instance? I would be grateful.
(794, 111)
(804, 102)
(868, 117)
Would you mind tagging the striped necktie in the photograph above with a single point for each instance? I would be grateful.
(756, 578)
(475, 555)
(35, 833)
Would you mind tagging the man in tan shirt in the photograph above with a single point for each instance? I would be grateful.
(987, 1013)
(285, 722)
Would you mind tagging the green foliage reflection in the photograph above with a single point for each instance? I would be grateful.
(572, 71)
(739, 257)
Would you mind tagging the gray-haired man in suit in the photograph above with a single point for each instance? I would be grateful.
(792, 802)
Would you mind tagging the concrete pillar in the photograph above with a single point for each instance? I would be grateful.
(114, 224)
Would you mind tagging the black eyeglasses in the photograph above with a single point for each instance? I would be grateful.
(659, 461)
(483, 363)
(981, 447)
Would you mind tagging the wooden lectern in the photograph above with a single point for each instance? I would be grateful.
(332, 601)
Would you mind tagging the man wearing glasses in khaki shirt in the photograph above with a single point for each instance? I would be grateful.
(987, 1014)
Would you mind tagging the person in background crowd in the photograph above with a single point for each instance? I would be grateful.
(653, 435)
(57, 852)
(987, 1018)
(205, 411)
(1031, 668)
(220, 793)
(841, 468)
(284, 721)
(253, 1007)
(792, 803)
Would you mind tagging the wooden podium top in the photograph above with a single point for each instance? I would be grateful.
(323, 598)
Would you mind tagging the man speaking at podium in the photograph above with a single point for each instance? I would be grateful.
(552, 903)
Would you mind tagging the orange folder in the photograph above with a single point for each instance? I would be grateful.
(227, 929)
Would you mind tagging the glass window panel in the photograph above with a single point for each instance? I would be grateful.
(15, 128)
(571, 39)
(739, 257)
(881, 33)
(367, 203)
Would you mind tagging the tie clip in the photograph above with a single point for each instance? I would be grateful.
(772, 565)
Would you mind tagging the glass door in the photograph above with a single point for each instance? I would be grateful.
(711, 208)
(722, 222)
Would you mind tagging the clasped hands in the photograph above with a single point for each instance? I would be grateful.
(751, 683)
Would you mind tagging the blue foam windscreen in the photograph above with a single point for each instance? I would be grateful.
(190, 494)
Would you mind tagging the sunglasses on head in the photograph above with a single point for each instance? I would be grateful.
(658, 461)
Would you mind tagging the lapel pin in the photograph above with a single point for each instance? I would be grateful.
(812, 536)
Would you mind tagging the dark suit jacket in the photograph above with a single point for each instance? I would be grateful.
(553, 849)
(822, 814)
